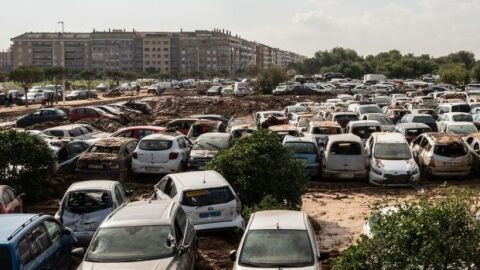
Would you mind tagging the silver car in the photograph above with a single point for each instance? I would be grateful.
(142, 235)
(86, 204)
(278, 240)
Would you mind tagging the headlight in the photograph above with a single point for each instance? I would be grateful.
(377, 170)
(414, 171)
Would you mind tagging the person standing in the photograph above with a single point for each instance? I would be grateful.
(10, 100)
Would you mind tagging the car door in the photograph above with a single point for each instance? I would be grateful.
(15, 205)
(184, 149)
(58, 254)
(165, 189)
(129, 149)
(34, 249)
(185, 236)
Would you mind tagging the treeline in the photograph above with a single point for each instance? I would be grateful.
(456, 68)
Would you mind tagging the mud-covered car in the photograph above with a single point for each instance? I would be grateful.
(344, 157)
(206, 147)
(10, 202)
(441, 154)
(204, 126)
(110, 157)
(284, 130)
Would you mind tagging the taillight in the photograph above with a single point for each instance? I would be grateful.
(135, 156)
(239, 204)
(173, 155)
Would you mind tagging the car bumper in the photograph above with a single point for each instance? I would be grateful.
(393, 180)
(237, 223)
(84, 238)
(344, 174)
(459, 171)
(313, 169)
(154, 168)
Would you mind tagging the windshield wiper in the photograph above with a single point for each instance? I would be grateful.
(252, 264)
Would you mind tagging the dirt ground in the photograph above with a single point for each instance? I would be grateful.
(340, 208)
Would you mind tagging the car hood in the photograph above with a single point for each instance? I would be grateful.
(396, 165)
(166, 263)
(238, 267)
(203, 153)
(387, 128)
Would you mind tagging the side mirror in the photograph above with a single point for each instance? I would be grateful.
(183, 249)
(323, 255)
(78, 253)
(233, 255)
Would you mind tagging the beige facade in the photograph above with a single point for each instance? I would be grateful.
(156, 53)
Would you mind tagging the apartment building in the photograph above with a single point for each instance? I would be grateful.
(201, 51)
(5, 60)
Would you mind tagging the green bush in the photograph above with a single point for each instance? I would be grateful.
(258, 165)
(26, 164)
(267, 203)
(420, 235)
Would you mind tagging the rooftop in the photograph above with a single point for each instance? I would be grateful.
(278, 219)
(10, 223)
(155, 212)
(199, 179)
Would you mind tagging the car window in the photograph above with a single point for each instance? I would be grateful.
(76, 148)
(118, 195)
(130, 147)
(162, 185)
(173, 190)
(33, 244)
(155, 145)
(121, 189)
(87, 201)
(181, 143)
(7, 197)
(180, 222)
(423, 143)
(54, 230)
(346, 148)
(144, 133)
(204, 197)
(55, 133)
(76, 132)
(90, 112)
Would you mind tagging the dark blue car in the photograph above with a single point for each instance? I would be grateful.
(34, 241)
(40, 116)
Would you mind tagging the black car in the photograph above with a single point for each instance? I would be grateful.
(304, 90)
(41, 116)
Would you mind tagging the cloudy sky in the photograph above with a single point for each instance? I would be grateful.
(436, 27)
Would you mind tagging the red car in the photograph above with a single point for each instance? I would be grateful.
(81, 113)
(137, 132)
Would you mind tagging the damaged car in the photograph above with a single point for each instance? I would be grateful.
(441, 154)
(108, 157)
(344, 157)
(206, 147)
(204, 126)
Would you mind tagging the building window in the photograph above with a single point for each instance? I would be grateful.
(147, 49)
(165, 49)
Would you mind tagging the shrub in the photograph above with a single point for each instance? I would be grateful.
(267, 203)
(420, 235)
(258, 165)
(26, 163)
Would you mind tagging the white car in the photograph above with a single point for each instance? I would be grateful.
(161, 153)
(370, 222)
(391, 161)
(453, 117)
(74, 132)
(462, 129)
(278, 239)
(35, 97)
(206, 197)
(86, 204)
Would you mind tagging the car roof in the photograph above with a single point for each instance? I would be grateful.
(140, 213)
(113, 141)
(278, 219)
(160, 136)
(92, 184)
(443, 138)
(142, 127)
(450, 123)
(360, 123)
(389, 137)
(325, 123)
(214, 134)
(289, 138)
(346, 137)
(199, 179)
(412, 125)
(282, 128)
(65, 127)
(12, 222)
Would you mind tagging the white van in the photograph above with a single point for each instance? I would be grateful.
(240, 89)
(344, 157)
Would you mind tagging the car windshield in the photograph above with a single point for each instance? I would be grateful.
(415, 132)
(346, 148)
(127, 244)
(461, 108)
(301, 147)
(155, 145)
(461, 129)
(5, 258)
(369, 109)
(392, 151)
(450, 150)
(277, 248)
(345, 117)
(87, 201)
(424, 119)
(204, 197)
(212, 143)
(462, 118)
(326, 130)
(105, 149)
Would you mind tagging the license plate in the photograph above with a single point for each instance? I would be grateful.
(95, 166)
(451, 164)
(210, 214)
(345, 175)
(90, 227)
(151, 169)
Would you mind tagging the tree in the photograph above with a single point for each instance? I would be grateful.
(271, 77)
(89, 76)
(420, 235)
(2, 77)
(150, 71)
(454, 74)
(258, 166)
(252, 70)
(53, 74)
(26, 163)
(476, 71)
(25, 76)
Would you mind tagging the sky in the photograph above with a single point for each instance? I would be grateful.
(435, 27)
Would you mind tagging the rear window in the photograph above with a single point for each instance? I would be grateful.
(76, 132)
(423, 119)
(88, 201)
(105, 149)
(346, 148)
(5, 258)
(346, 117)
(463, 118)
(326, 130)
(461, 108)
(301, 147)
(204, 197)
(155, 145)
(415, 132)
(450, 150)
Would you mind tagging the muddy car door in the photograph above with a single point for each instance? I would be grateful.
(128, 153)
(186, 242)
(185, 148)
(415, 147)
